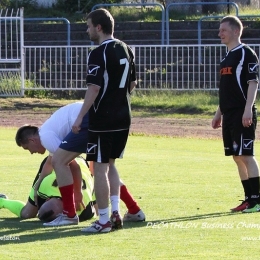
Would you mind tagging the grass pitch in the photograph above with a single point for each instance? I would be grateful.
(185, 187)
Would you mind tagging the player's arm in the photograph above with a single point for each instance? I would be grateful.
(251, 96)
(77, 184)
(133, 78)
(217, 119)
(91, 167)
(132, 85)
(46, 170)
(90, 96)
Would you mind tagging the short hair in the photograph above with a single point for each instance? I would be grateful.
(234, 22)
(104, 18)
(24, 132)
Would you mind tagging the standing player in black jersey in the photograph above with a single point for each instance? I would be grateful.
(237, 110)
(110, 79)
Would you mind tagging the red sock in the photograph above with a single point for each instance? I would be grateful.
(129, 201)
(67, 196)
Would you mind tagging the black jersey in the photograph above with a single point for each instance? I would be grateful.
(239, 66)
(111, 66)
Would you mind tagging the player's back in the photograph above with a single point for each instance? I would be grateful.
(61, 121)
(111, 109)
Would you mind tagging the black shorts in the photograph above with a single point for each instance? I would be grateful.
(77, 142)
(103, 146)
(237, 139)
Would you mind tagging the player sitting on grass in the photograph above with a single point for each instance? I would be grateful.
(49, 203)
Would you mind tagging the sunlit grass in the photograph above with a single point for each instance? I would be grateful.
(185, 186)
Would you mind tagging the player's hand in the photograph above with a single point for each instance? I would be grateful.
(216, 122)
(76, 126)
(247, 118)
(78, 198)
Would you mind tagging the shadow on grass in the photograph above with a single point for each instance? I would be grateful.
(16, 231)
(30, 106)
(194, 217)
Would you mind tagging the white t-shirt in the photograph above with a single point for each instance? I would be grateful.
(58, 126)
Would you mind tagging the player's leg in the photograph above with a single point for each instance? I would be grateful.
(119, 140)
(229, 123)
(114, 181)
(29, 211)
(69, 178)
(98, 151)
(251, 166)
(134, 212)
(15, 206)
(243, 155)
(50, 209)
(101, 187)
(65, 179)
(19, 208)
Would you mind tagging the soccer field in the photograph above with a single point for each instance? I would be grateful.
(185, 187)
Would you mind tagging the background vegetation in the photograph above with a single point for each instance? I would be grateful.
(74, 13)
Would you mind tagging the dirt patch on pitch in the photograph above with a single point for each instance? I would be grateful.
(12, 117)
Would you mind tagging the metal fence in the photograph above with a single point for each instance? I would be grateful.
(167, 67)
(11, 58)
(158, 67)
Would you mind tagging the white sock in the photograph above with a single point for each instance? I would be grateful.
(114, 203)
(103, 215)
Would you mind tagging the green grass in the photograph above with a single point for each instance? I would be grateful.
(185, 186)
(122, 14)
(174, 104)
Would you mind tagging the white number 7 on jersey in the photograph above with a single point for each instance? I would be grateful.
(124, 76)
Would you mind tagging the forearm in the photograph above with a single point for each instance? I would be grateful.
(133, 85)
(89, 99)
(46, 170)
(218, 113)
(251, 95)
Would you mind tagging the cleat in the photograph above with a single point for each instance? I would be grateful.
(138, 217)
(97, 227)
(252, 207)
(62, 220)
(116, 220)
(240, 207)
(3, 196)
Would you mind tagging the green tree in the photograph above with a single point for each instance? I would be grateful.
(73, 6)
(4, 4)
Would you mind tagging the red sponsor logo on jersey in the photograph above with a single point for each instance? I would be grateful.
(226, 71)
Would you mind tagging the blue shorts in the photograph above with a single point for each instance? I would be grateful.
(77, 142)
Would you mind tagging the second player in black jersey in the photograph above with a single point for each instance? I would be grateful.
(237, 69)
(236, 113)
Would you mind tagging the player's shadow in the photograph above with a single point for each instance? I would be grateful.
(13, 230)
(160, 222)
(19, 231)
(198, 217)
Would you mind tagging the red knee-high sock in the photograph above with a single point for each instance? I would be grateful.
(67, 196)
(129, 201)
